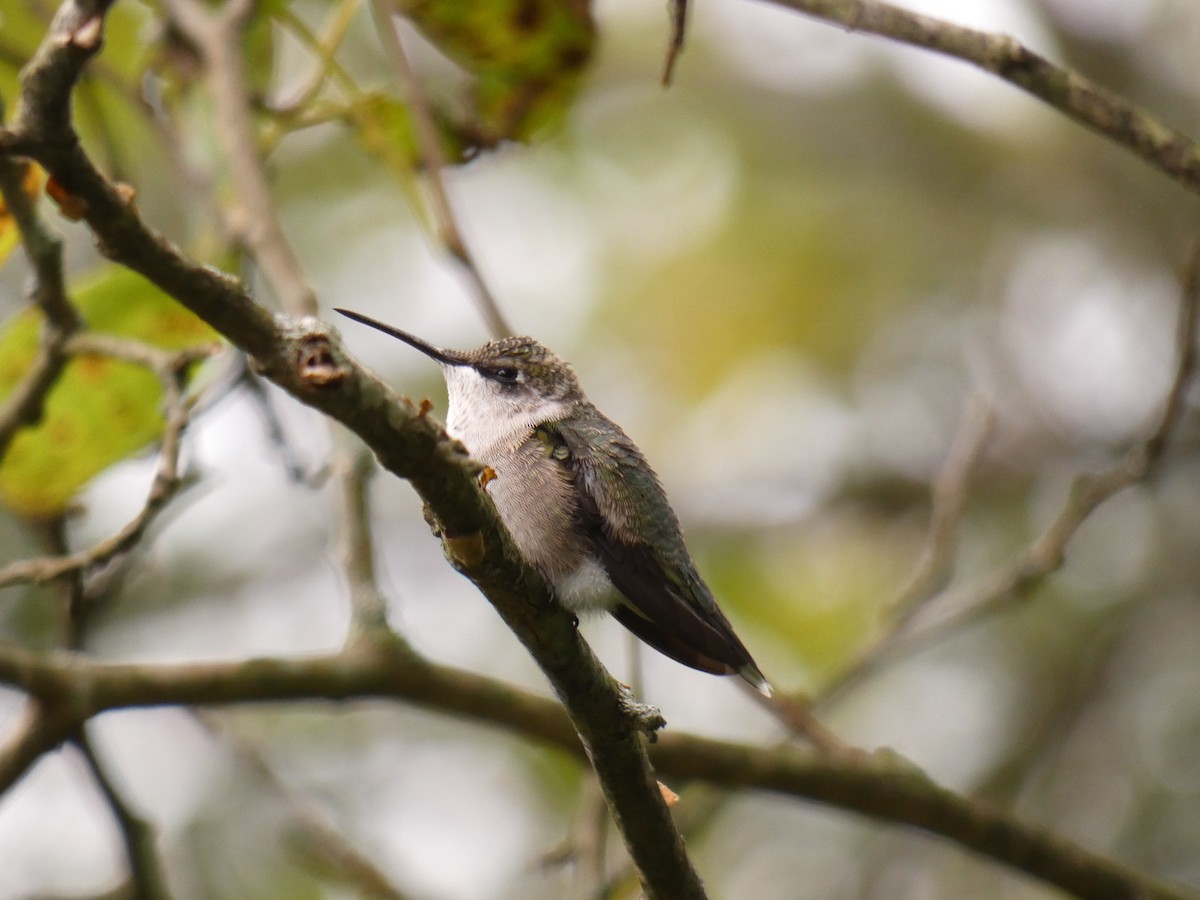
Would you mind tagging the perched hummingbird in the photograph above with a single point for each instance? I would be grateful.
(580, 501)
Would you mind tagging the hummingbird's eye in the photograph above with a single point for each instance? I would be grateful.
(505, 374)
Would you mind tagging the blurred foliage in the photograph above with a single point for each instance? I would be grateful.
(526, 58)
(787, 277)
(101, 409)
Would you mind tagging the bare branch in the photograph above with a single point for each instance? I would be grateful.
(936, 565)
(44, 727)
(960, 609)
(1163, 147)
(138, 835)
(170, 367)
(319, 837)
(354, 467)
(881, 785)
(219, 37)
(431, 151)
(678, 13)
(1089, 491)
(324, 48)
(306, 358)
(43, 248)
(24, 406)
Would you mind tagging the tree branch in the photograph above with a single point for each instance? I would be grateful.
(881, 785)
(1163, 147)
(219, 37)
(316, 836)
(306, 359)
(145, 869)
(431, 152)
(935, 568)
(965, 606)
(44, 250)
(169, 367)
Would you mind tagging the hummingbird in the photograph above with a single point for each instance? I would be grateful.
(580, 500)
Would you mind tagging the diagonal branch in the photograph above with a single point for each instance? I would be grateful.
(44, 250)
(47, 723)
(936, 566)
(306, 358)
(139, 836)
(435, 165)
(170, 368)
(368, 608)
(1163, 147)
(317, 836)
(959, 609)
(219, 37)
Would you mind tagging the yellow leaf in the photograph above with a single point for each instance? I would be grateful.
(101, 410)
(31, 184)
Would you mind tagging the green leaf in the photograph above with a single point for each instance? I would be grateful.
(101, 410)
(384, 130)
(527, 56)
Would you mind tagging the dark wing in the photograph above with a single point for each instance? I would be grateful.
(666, 604)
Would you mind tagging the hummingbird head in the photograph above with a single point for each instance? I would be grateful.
(499, 390)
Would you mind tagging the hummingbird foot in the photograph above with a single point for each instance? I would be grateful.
(646, 718)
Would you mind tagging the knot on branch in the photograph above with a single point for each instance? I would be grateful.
(644, 717)
(80, 26)
(316, 364)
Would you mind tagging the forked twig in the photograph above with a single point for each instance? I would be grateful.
(959, 609)
(442, 210)
(935, 567)
(170, 367)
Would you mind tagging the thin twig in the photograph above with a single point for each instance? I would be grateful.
(960, 609)
(138, 835)
(589, 838)
(325, 48)
(936, 566)
(276, 435)
(42, 246)
(318, 835)
(585, 845)
(795, 713)
(431, 152)
(52, 534)
(354, 466)
(1163, 147)
(170, 367)
(219, 37)
(678, 11)
(23, 406)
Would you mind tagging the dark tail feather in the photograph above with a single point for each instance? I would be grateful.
(718, 657)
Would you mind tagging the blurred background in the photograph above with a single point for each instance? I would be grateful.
(788, 277)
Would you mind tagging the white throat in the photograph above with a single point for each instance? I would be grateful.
(485, 415)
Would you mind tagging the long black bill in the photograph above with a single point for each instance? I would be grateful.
(445, 357)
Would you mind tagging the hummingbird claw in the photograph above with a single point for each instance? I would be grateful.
(486, 477)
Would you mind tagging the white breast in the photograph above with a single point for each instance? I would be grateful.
(585, 588)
